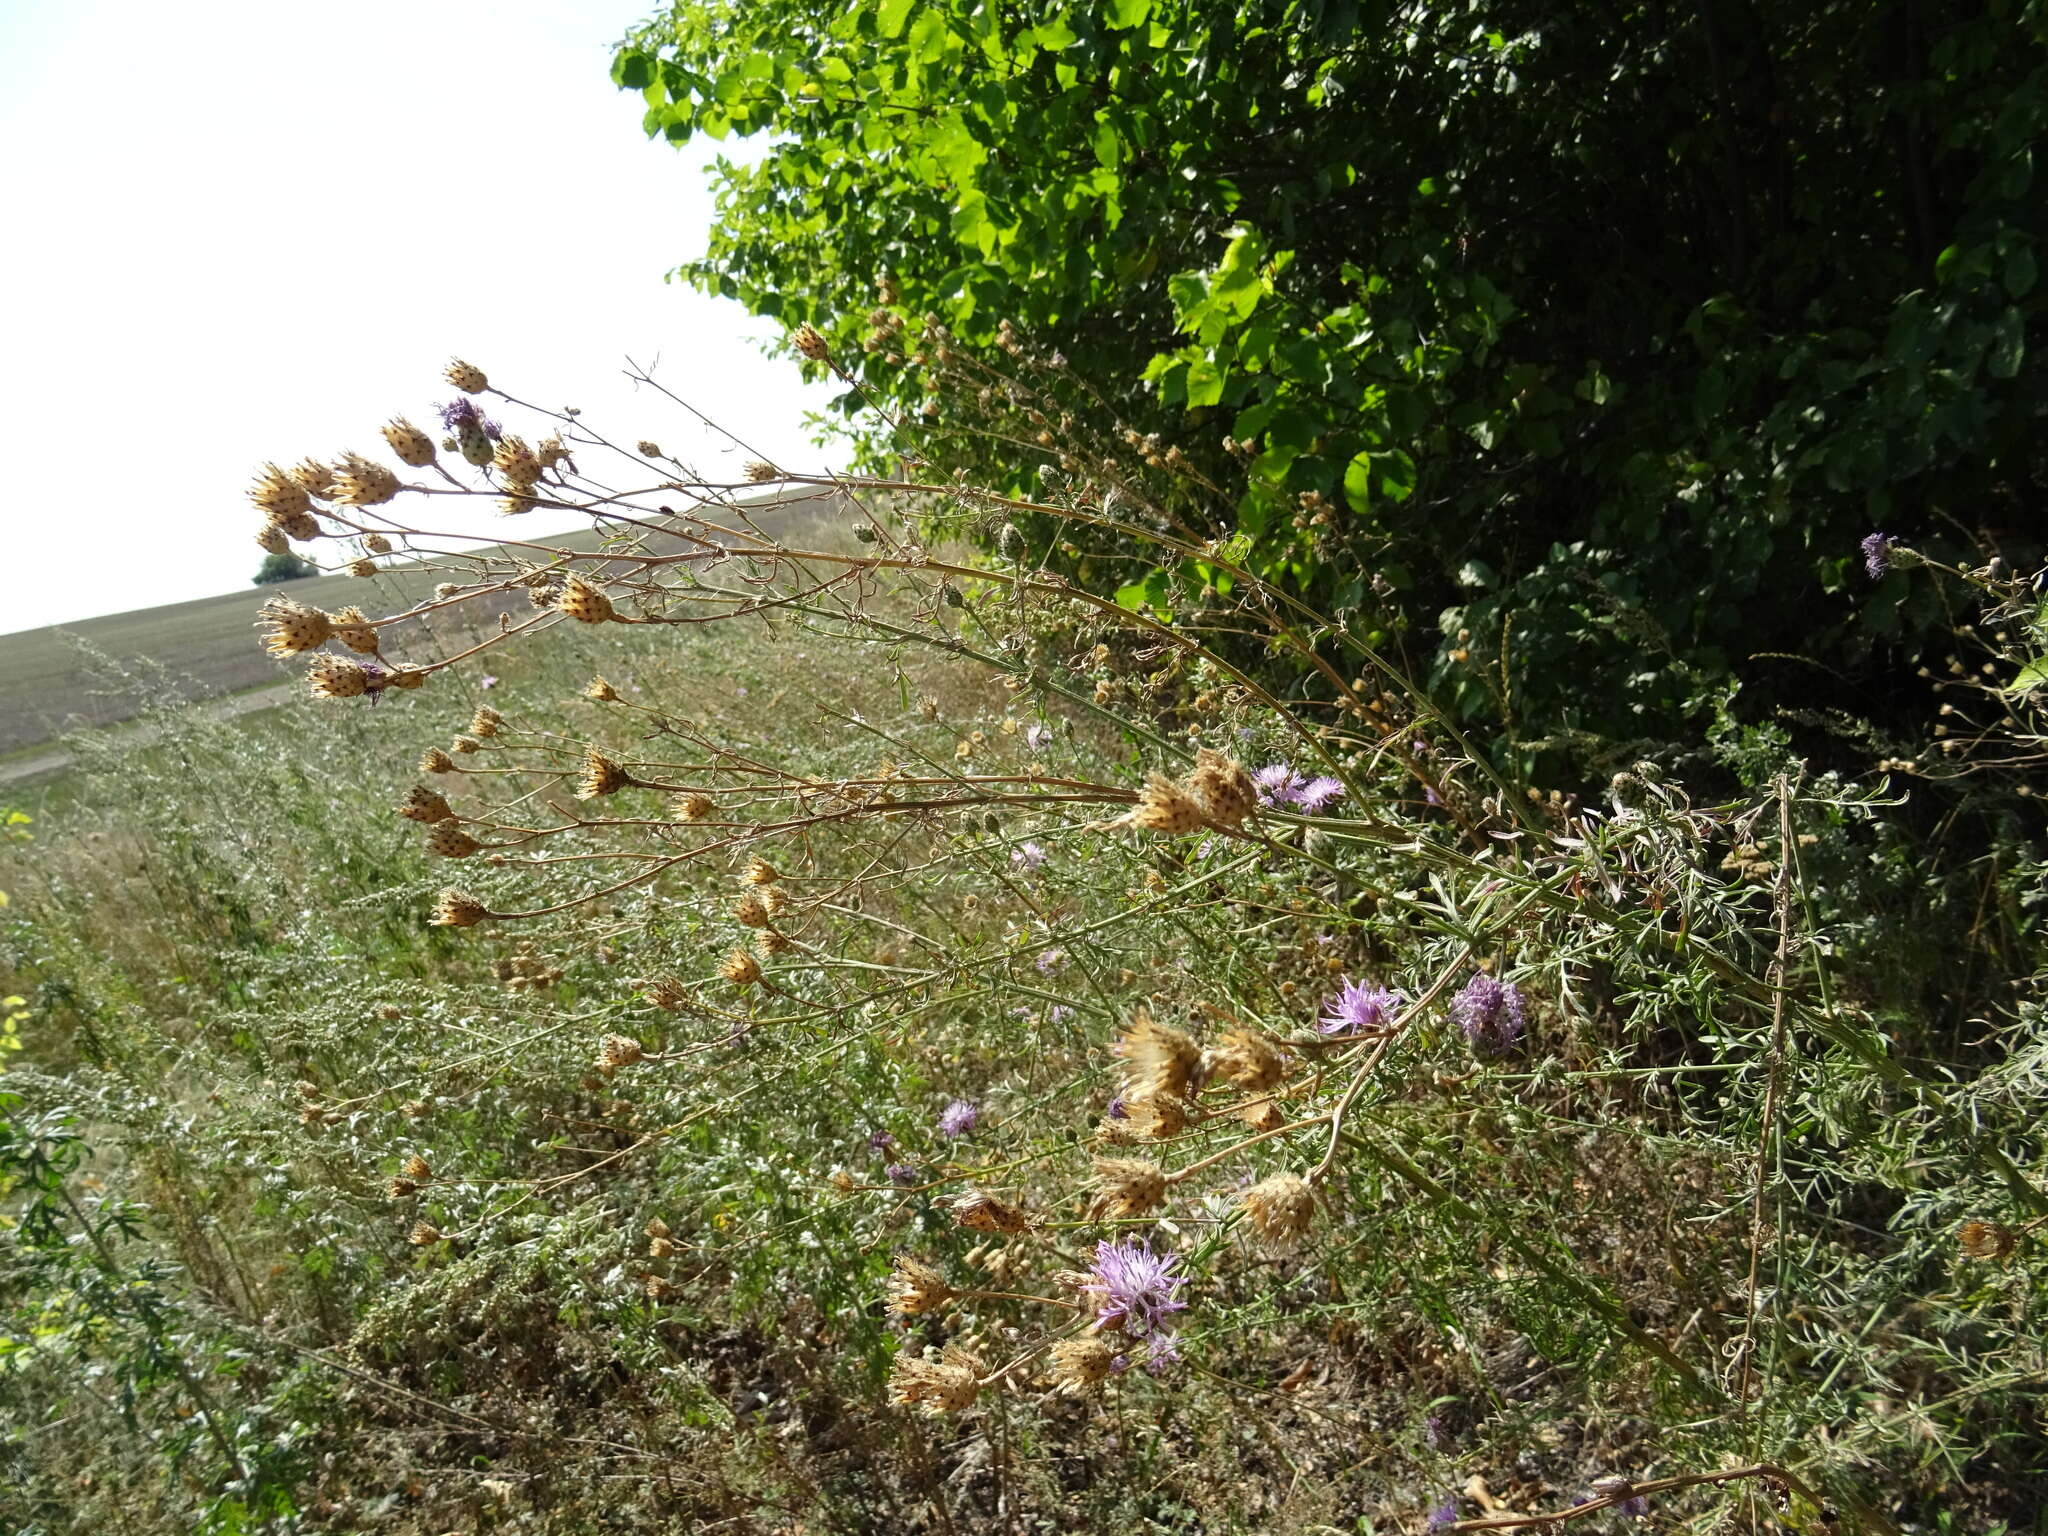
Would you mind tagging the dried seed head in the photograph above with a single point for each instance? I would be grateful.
(450, 842)
(775, 899)
(1166, 808)
(434, 760)
(1155, 1119)
(693, 807)
(772, 943)
(757, 471)
(466, 745)
(1225, 790)
(551, 451)
(583, 602)
(277, 495)
(601, 776)
(1125, 1187)
(740, 968)
(1990, 1241)
(412, 446)
(336, 677)
(750, 911)
(466, 377)
(616, 1051)
(915, 1288)
(979, 1211)
(424, 805)
(656, 1227)
(424, 1234)
(292, 627)
(353, 629)
(810, 343)
(758, 872)
(271, 540)
(1263, 1116)
(649, 450)
(314, 478)
(361, 482)
(928, 706)
(417, 1169)
(667, 993)
(362, 567)
(401, 1188)
(949, 1384)
(1247, 1059)
(376, 544)
(1280, 1209)
(458, 909)
(601, 691)
(1080, 1366)
(485, 722)
(517, 464)
(1159, 1062)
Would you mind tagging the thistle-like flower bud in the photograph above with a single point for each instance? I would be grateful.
(434, 760)
(1248, 1060)
(458, 909)
(424, 805)
(315, 478)
(485, 722)
(772, 943)
(466, 377)
(336, 677)
(376, 544)
(758, 872)
(616, 1051)
(516, 463)
(1166, 808)
(466, 745)
(361, 482)
(1988, 1241)
(979, 1211)
(277, 495)
(449, 841)
(551, 451)
(1010, 542)
(774, 898)
(601, 691)
(693, 807)
(758, 470)
(1080, 1366)
(649, 450)
(583, 602)
(750, 911)
(424, 1234)
(353, 629)
(362, 567)
(1226, 793)
(412, 446)
(416, 1168)
(292, 627)
(1159, 1061)
(272, 540)
(407, 677)
(601, 776)
(302, 526)
(401, 1188)
(810, 343)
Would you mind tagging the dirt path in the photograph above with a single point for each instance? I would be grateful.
(53, 760)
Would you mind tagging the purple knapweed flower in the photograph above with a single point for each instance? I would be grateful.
(1038, 737)
(1316, 795)
(1136, 1288)
(1635, 1505)
(880, 1141)
(1162, 1352)
(901, 1173)
(457, 414)
(1116, 1110)
(1443, 1517)
(1050, 960)
(1877, 554)
(1359, 1006)
(1027, 856)
(1058, 1013)
(487, 681)
(958, 1118)
(1278, 784)
(1489, 1011)
(1435, 1434)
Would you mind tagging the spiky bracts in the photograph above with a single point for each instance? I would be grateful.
(466, 377)
(292, 627)
(583, 601)
(949, 1384)
(601, 776)
(1080, 1366)
(1280, 1209)
(361, 482)
(1126, 1187)
(447, 840)
(1218, 793)
(412, 446)
(336, 677)
(277, 495)
(916, 1289)
(425, 806)
(458, 909)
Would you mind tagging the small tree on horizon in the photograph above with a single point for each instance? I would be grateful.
(284, 566)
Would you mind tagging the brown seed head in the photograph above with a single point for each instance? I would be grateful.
(949, 1384)
(1262, 1116)
(517, 465)
(277, 495)
(466, 377)
(434, 760)
(693, 807)
(292, 627)
(758, 872)
(1080, 1366)
(1166, 808)
(302, 526)
(550, 451)
(424, 1234)
(667, 993)
(458, 909)
(314, 478)
(485, 722)
(775, 899)
(750, 911)
(757, 471)
(583, 602)
(424, 805)
(401, 1188)
(772, 942)
(1990, 1241)
(979, 1211)
(601, 691)
(1159, 1061)
(740, 968)
(616, 1051)
(1247, 1059)
(1280, 1209)
(361, 482)
(649, 450)
(376, 544)
(1225, 791)
(362, 567)
(466, 745)
(271, 540)
(1155, 1119)
(810, 343)
(336, 677)
(353, 629)
(417, 1169)
(915, 1288)
(449, 841)
(1125, 1187)
(412, 446)
(601, 776)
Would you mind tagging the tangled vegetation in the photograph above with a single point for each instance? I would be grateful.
(912, 1041)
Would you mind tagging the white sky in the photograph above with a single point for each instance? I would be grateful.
(238, 230)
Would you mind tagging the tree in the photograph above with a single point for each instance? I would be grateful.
(285, 566)
(1567, 349)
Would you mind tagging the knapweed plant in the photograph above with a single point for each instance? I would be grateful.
(1128, 1027)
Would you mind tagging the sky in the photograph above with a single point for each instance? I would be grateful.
(234, 231)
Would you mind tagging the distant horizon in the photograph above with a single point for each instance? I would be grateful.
(284, 255)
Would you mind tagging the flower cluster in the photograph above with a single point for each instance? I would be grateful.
(1279, 784)
(1490, 1013)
